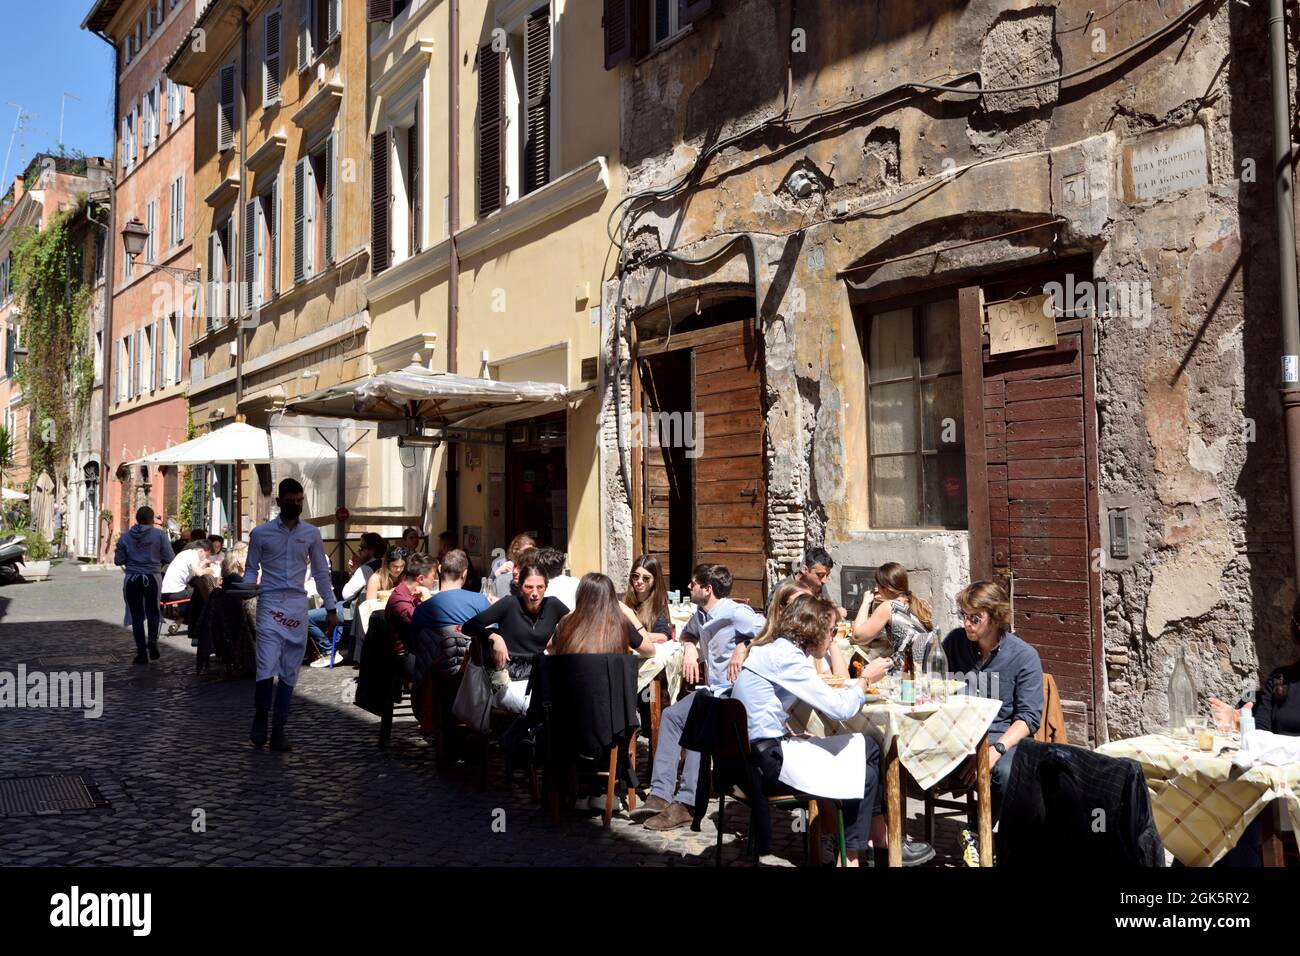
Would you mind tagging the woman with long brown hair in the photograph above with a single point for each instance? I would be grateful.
(780, 673)
(599, 623)
(388, 575)
(647, 596)
(897, 621)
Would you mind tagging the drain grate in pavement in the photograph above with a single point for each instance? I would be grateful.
(38, 796)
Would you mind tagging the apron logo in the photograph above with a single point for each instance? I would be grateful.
(288, 622)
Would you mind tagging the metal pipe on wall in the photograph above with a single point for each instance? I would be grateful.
(1284, 199)
(453, 224)
(109, 262)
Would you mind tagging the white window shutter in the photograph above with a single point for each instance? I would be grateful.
(309, 224)
(180, 210)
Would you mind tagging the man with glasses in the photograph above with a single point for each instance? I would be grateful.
(712, 633)
(996, 664)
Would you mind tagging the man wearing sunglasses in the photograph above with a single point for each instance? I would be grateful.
(997, 664)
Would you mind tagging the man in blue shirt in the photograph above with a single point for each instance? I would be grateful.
(282, 549)
(452, 605)
(996, 664)
(712, 634)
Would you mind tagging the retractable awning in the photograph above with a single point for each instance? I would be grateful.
(440, 398)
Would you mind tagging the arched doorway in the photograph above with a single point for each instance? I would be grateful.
(696, 439)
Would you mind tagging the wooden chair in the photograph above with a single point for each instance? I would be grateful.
(732, 747)
(547, 702)
(1049, 731)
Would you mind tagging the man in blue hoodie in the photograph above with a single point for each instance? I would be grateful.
(143, 550)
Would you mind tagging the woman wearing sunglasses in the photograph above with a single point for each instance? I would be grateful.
(996, 664)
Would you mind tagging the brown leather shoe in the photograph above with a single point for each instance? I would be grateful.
(673, 816)
(651, 805)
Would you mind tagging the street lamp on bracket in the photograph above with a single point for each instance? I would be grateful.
(134, 236)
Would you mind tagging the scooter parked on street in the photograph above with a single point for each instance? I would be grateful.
(12, 552)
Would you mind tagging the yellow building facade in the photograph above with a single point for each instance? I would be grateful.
(536, 178)
(281, 207)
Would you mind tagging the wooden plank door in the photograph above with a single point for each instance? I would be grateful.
(1040, 520)
(730, 490)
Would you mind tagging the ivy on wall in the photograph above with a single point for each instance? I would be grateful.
(59, 372)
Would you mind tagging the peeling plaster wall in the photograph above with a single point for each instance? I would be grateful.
(1188, 422)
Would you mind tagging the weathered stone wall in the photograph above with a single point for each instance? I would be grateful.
(1188, 424)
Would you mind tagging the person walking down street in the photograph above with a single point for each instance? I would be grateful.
(281, 549)
(142, 551)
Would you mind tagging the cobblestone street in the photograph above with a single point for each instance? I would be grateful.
(170, 751)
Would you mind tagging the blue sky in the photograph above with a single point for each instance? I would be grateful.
(46, 54)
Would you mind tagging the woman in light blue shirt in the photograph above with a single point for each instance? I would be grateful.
(778, 674)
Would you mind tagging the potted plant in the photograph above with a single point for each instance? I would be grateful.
(36, 564)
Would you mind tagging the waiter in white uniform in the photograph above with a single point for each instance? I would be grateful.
(282, 549)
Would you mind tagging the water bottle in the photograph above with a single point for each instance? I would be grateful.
(1182, 698)
(1247, 722)
(935, 668)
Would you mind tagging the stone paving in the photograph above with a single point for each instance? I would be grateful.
(170, 757)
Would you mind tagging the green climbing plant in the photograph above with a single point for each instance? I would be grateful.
(8, 453)
(187, 485)
(59, 372)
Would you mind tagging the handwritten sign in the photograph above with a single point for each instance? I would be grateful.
(1165, 162)
(1021, 324)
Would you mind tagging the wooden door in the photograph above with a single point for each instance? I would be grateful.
(730, 492)
(1041, 506)
(703, 500)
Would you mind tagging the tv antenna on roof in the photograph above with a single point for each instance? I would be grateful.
(20, 124)
(62, 105)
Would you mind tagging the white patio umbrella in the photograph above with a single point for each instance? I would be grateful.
(237, 444)
(8, 494)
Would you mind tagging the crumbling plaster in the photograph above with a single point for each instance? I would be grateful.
(1178, 391)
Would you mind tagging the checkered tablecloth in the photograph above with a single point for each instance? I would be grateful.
(667, 661)
(931, 742)
(1201, 802)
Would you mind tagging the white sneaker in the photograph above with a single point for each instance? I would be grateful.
(321, 662)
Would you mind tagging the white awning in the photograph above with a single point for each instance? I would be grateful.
(437, 397)
(8, 494)
(234, 444)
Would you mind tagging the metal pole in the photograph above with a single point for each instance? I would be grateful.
(341, 498)
(1284, 197)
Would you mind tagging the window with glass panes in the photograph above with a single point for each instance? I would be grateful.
(915, 431)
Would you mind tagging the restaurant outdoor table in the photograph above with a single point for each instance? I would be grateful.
(1203, 803)
(929, 742)
(662, 674)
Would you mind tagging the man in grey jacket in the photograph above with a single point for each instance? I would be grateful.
(142, 550)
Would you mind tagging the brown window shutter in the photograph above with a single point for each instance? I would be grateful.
(617, 22)
(491, 117)
(413, 167)
(692, 10)
(380, 10)
(537, 84)
(380, 238)
(226, 110)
